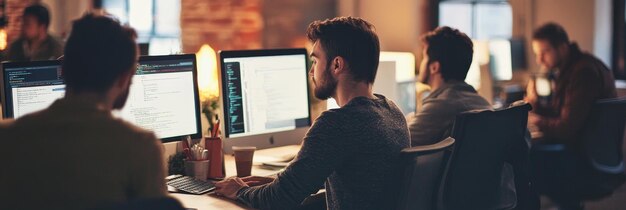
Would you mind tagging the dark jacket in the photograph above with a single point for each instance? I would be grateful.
(581, 80)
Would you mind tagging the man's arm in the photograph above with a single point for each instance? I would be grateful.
(578, 100)
(322, 151)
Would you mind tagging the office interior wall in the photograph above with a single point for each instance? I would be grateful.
(398, 23)
(587, 22)
(62, 13)
(225, 25)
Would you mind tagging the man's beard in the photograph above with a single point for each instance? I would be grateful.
(327, 86)
(120, 101)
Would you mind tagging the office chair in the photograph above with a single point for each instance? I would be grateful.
(486, 142)
(596, 169)
(603, 139)
(423, 168)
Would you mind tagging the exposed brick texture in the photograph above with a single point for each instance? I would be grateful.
(224, 24)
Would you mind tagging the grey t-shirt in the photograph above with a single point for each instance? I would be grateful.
(354, 151)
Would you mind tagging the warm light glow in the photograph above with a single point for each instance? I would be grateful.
(207, 73)
(3, 39)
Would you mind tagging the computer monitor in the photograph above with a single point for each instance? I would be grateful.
(30, 86)
(265, 97)
(163, 95)
(501, 60)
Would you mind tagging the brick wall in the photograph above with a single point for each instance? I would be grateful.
(224, 24)
(252, 24)
(286, 20)
(14, 9)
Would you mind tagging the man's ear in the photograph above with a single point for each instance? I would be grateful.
(338, 65)
(434, 67)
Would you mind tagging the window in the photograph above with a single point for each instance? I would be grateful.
(157, 22)
(478, 19)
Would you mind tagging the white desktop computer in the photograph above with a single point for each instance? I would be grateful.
(265, 97)
(163, 95)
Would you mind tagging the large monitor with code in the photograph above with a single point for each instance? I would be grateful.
(265, 96)
(163, 95)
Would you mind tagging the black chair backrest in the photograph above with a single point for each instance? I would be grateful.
(486, 142)
(423, 168)
(604, 134)
(603, 138)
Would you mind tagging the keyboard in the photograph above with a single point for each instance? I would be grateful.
(189, 184)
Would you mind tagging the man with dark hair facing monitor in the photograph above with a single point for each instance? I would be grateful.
(354, 151)
(34, 43)
(75, 154)
(447, 56)
(577, 80)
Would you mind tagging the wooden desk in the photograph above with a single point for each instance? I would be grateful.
(211, 201)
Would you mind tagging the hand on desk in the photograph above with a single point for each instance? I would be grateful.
(229, 187)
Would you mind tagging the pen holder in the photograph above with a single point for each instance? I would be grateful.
(216, 168)
(197, 169)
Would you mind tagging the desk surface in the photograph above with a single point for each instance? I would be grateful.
(211, 201)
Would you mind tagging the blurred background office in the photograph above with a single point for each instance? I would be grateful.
(501, 30)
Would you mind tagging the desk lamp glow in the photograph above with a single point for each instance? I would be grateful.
(208, 82)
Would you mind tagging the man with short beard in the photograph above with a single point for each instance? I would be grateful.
(447, 56)
(75, 154)
(354, 151)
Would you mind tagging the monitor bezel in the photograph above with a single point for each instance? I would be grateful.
(198, 134)
(3, 83)
(224, 54)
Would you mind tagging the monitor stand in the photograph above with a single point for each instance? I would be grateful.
(268, 140)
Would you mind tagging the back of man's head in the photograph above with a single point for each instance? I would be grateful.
(553, 33)
(351, 38)
(98, 52)
(40, 13)
(452, 49)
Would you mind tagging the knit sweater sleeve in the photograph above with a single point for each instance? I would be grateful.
(322, 151)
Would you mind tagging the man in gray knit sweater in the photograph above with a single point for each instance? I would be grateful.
(354, 150)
